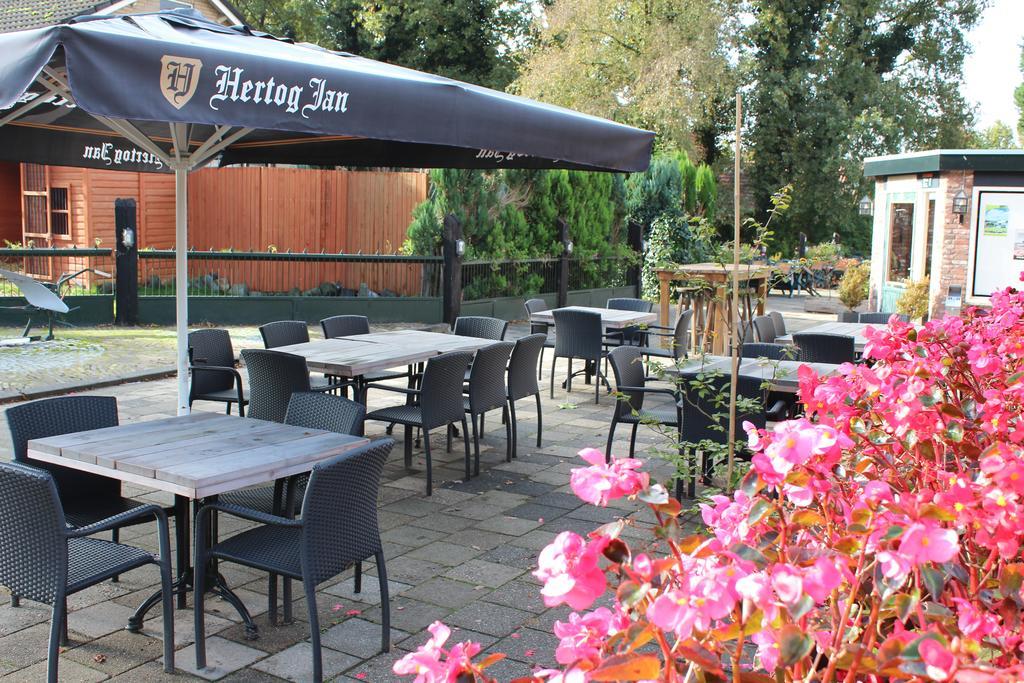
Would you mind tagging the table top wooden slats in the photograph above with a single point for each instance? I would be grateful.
(197, 455)
(610, 317)
(783, 374)
(855, 330)
(359, 354)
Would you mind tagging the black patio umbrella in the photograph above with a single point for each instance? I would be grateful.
(172, 91)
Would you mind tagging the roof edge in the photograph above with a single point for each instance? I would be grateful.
(936, 160)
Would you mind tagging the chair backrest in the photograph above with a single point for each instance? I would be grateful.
(746, 331)
(480, 326)
(273, 377)
(317, 410)
(211, 347)
(441, 395)
(344, 325)
(536, 306)
(522, 366)
(339, 510)
(765, 328)
(487, 389)
(769, 351)
(881, 318)
(780, 323)
(628, 368)
(578, 334)
(825, 348)
(33, 548)
(628, 304)
(283, 333)
(64, 415)
(681, 334)
(706, 411)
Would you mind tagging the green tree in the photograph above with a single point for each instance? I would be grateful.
(997, 136)
(478, 41)
(1018, 98)
(833, 81)
(657, 64)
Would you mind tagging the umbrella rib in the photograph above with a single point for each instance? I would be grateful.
(212, 147)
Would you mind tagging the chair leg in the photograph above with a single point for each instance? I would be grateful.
(57, 618)
(515, 428)
(482, 425)
(167, 598)
(408, 446)
(115, 536)
(15, 600)
(611, 436)
(430, 469)
(286, 598)
(553, 359)
(198, 600)
(568, 378)
(314, 630)
(385, 603)
(272, 599)
(540, 419)
(64, 640)
(227, 409)
(476, 447)
(465, 441)
(508, 433)
(359, 577)
(632, 439)
(449, 433)
(540, 365)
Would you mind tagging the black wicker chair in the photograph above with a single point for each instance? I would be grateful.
(579, 335)
(487, 391)
(338, 529)
(630, 386)
(284, 333)
(769, 351)
(43, 559)
(779, 322)
(764, 326)
(480, 326)
(523, 383)
(346, 326)
(273, 377)
(86, 498)
(825, 348)
(679, 333)
(214, 377)
(634, 334)
(705, 413)
(881, 318)
(437, 403)
(536, 306)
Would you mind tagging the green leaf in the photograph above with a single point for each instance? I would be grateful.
(955, 431)
(794, 644)
(801, 607)
(933, 580)
(758, 510)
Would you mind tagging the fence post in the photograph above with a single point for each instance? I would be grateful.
(635, 239)
(563, 263)
(126, 263)
(452, 248)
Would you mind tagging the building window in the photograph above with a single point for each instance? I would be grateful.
(46, 208)
(901, 235)
(930, 239)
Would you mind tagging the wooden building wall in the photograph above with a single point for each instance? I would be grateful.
(10, 203)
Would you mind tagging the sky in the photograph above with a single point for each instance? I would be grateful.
(993, 71)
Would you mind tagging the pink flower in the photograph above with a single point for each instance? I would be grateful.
(894, 566)
(788, 583)
(602, 482)
(767, 649)
(973, 622)
(671, 611)
(426, 662)
(821, 578)
(939, 662)
(928, 542)
(571, 675)
(582, 637)
(568, 566)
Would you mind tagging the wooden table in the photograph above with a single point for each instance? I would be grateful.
(782, 374)
(610, 317)
(194, 456)
(855, 330)
(711, 303)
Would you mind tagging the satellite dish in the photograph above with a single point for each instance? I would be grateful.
(35, 293)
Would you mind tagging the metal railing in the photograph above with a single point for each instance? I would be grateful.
(48, 264)
(230, 273)
(493, 279)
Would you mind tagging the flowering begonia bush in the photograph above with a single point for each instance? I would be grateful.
(876, 538)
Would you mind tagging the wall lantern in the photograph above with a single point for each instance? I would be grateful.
(864, 206)
(568, 247)
(460, 247)
(961, 202)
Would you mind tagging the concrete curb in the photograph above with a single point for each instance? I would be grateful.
(74, 387)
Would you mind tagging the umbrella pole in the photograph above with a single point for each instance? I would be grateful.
(735, 304)
(181, 281)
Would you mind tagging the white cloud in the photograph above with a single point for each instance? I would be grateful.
(993, 71)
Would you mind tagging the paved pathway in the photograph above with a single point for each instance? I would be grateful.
(463, 555)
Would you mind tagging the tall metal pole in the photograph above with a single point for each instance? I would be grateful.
(181, 279)
(735, 307)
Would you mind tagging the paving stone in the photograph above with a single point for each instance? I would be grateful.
(370, 593)
(358, 637)
(448, 524)
(528, 487)
(99, 619)
(296, 663)
(531, 646)
(598, 515)
(116, 653)
(24, 647)
(68, 670)
(14, 619)
(478, 538)
(537, 539)
(447, 554)
(579, 526)
(412, 571)
(412, 536)
(518, 594)
(376, 669)
(447, 592)
(272, 638)
(409, 615)
(222, 658)
(496, 620)
(557, 499)
(479, 572)
(389, 520)
(512, 556)
(546, 620)
(505, 524)
(537, 512)
(510, 669)
(459, 635)
(184, 625)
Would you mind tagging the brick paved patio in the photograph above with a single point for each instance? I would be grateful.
(463, 555)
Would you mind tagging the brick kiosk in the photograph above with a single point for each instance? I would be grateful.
(918, 232)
